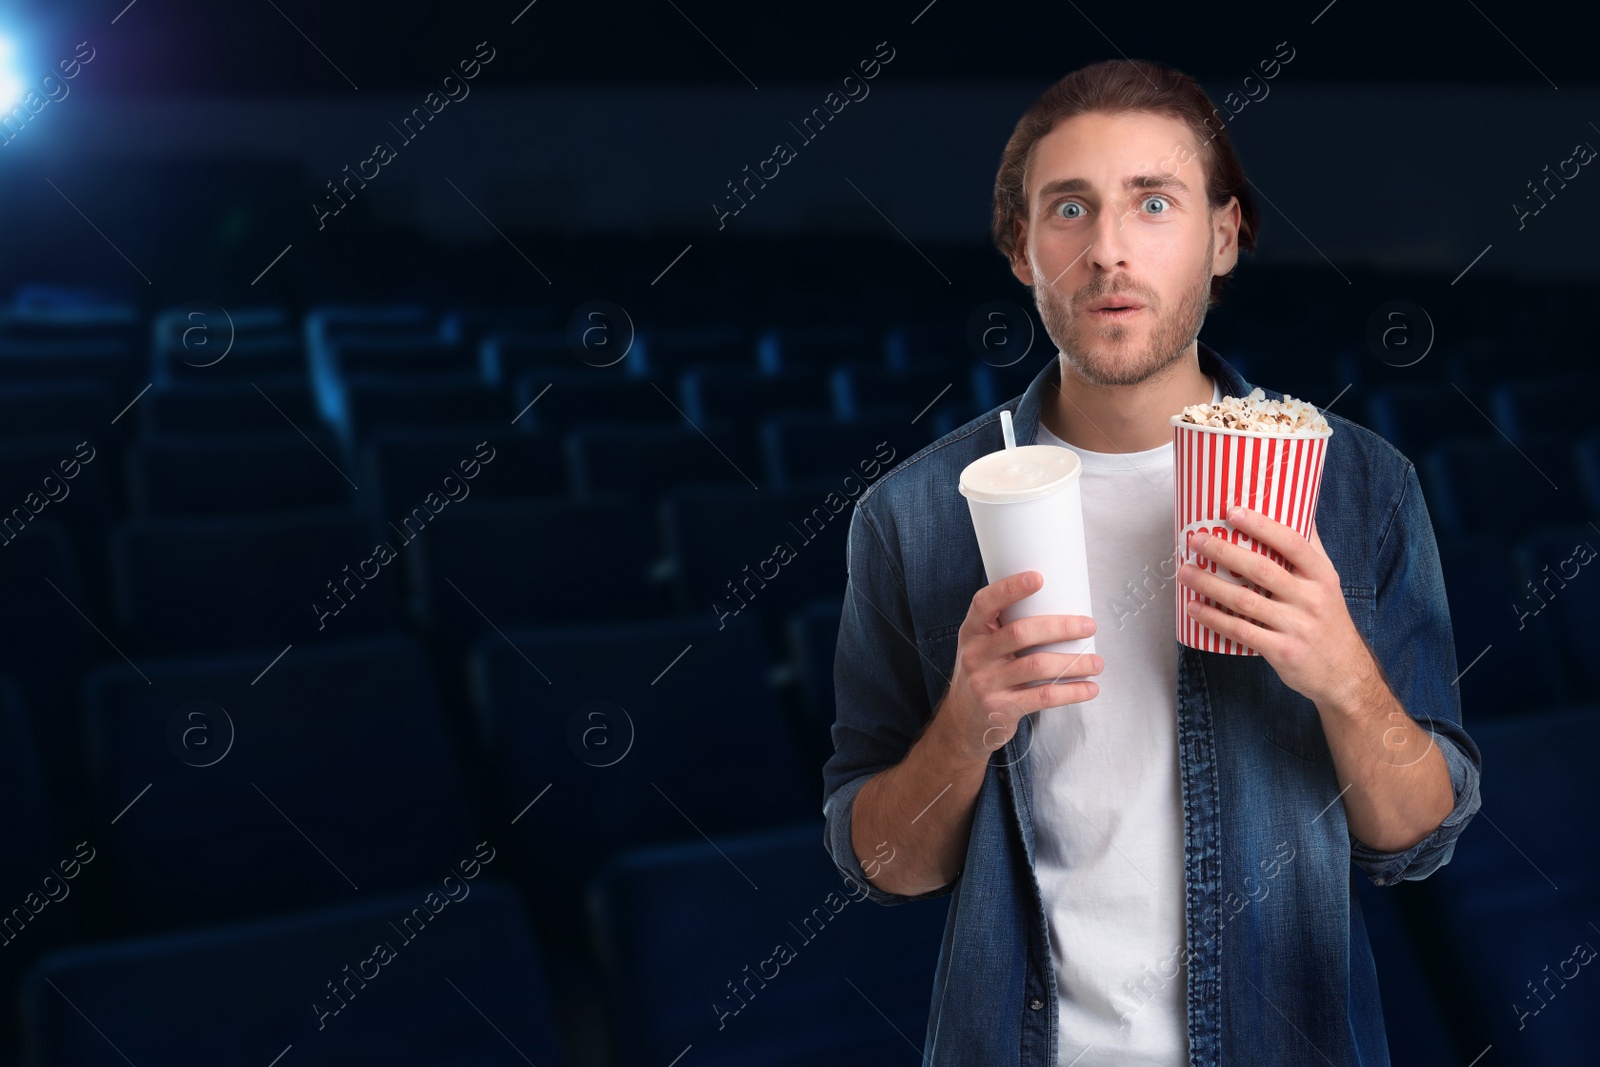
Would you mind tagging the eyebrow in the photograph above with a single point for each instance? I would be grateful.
(1137, 181)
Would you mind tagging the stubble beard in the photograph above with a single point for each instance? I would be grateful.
(1103, 354)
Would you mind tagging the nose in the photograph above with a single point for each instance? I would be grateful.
(1109, 251)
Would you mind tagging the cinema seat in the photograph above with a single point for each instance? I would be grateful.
(262, 581)
(83, 406)
(931, 341)
(645, 461)
(742, 397)
(200, 342)
(568, 401)
(372, 405)
(863, 387)
(644, 732)
(40, 873)
(1418, 416)
(1528, 407)
(329, 766)
(71, 480)
(1494, 487)
(1587, 458)
(471, 326)
(505, 357)
(1558, 572)
(853, 987)
(399, 357)
(1507, 662)
(407, 465)
(325, 323)
(109, 360)
(49, 648)
(469, 989)
(814, 350)
(993, 386)
(235, 475)
(63, 313)
(765, 554)
(1361, 368)
(1520, 892)
(170, 325)
(668, 353)
(259, 406)
(1418, 1032)
(804, 448)
(813, 637)
(505, 562)
(257, 358)
(331, 328)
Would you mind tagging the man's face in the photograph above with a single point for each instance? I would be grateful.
(1091, 235)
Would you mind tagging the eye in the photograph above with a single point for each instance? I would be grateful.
(1160, 199)
(1066, 204)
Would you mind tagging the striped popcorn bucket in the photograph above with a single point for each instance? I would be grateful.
(1278, 475)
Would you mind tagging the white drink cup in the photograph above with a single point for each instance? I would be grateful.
(1027, 511)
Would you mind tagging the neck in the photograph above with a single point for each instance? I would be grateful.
(1125, 418)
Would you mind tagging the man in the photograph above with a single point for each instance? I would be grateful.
(1157, 873)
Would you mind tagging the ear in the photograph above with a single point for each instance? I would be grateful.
(1020, 266)
(1226, 254)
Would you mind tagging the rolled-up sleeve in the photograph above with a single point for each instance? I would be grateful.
(879, 692)
(1414, 642)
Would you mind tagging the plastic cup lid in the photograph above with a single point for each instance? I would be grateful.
(1022, 473)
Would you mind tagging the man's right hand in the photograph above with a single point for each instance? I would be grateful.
(990, 690)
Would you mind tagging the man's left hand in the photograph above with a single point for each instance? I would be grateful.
(1301, 626)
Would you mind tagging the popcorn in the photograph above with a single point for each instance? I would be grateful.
(1256, 414)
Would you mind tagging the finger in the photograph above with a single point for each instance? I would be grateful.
(1042, 630)
(1055, 695)
(1232, 597)
(1254, 566)
(988, 602)
(1242, 630)
(1296, 550)
(1051, 667)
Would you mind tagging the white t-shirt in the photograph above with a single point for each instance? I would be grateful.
(1108, 823)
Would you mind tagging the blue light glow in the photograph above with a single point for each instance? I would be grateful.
(11, 83)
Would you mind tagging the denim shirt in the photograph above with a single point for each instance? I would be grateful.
(1279, 966)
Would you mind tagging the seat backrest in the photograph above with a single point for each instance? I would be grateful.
(644, 732)
(236, 474)
(508, 562)
(770, 957)
(298, 780)
(451, 971)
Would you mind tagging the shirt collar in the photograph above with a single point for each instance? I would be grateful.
(1025, 419)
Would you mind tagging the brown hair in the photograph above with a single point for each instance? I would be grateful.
(1116, 86)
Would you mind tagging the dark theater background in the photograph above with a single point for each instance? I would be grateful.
(401, 406)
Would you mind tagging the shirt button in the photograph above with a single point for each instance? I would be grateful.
(1035, 1004)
